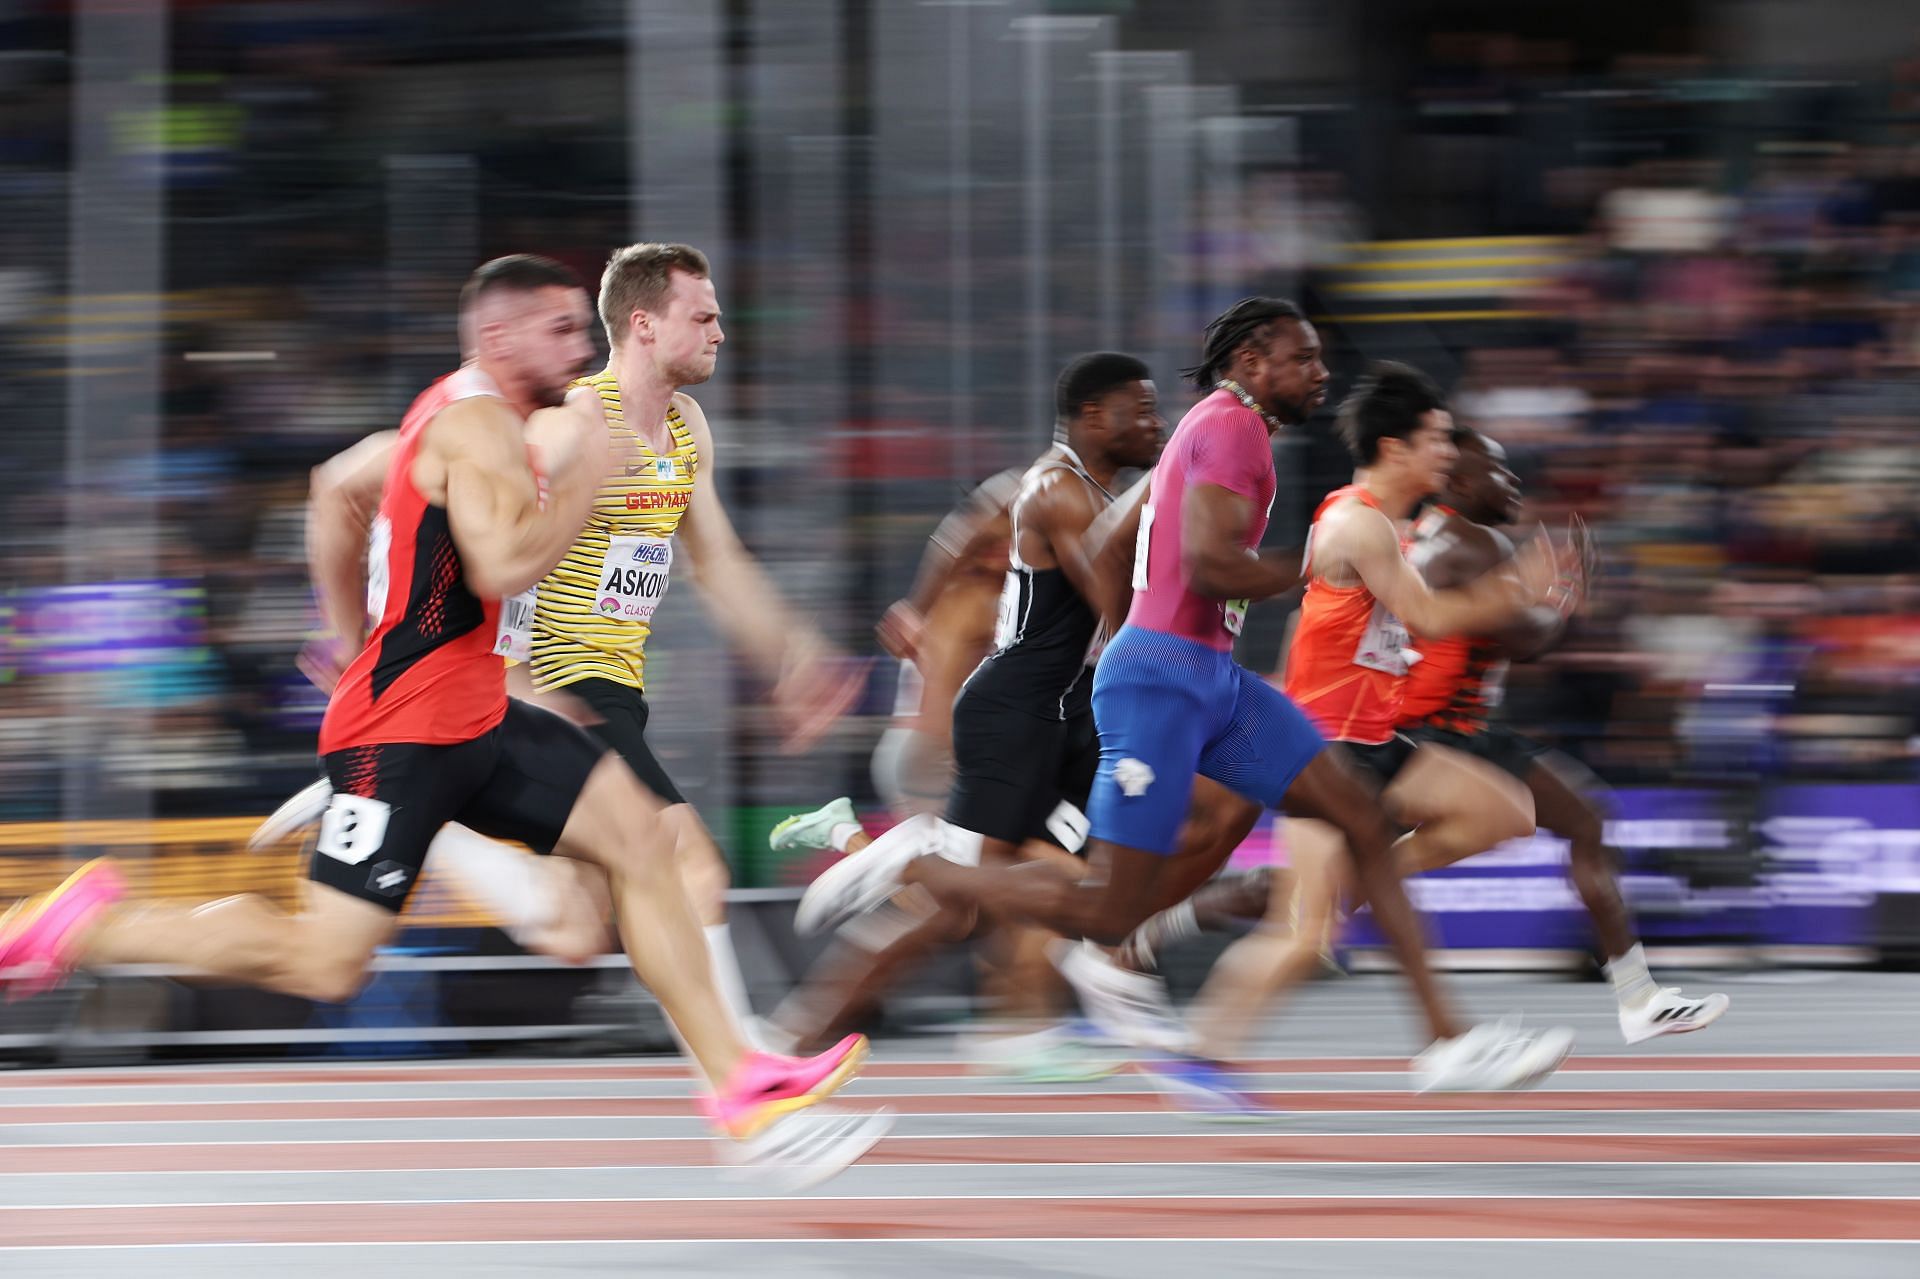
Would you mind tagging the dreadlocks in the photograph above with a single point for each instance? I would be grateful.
(1248, 320)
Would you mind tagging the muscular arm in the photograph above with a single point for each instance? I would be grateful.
(962, 536)
(1055, 519)
(1476, 552)
(342, 497)
(508, 541)
(1365, 540)
(1213, 520)
(740, 596)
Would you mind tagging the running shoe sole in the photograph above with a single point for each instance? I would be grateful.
(803, 1150)
(767, 1113)
(301, 810)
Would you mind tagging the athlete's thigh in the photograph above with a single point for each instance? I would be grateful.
(345, 924)
(621, 724)
(1005, 764)
(536, 780)
(1565, 794)
(1265, 744)
(1438, 782)
(1151, 734)
(1065, 825)
(389, 801)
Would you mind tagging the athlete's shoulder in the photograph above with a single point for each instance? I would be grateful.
(693, 417)
(602, 381)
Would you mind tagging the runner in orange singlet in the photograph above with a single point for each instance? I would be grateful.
(1453, 691)
(1347, 669)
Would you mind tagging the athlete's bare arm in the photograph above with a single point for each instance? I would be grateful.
(1475, 551)
(342, 497)
(960, 538)
(474, 461)
(740, 595)
(1354, 540)
(1053, 517)
(1213, 520)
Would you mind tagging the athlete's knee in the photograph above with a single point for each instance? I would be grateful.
(328, 974)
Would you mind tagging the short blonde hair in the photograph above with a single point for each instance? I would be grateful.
(639, 277)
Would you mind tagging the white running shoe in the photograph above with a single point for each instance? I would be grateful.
(1055, 1055)
(807, 1147)
(1668, 1012)
(298, 813)
(1493, 1056)
(812, 830)
(860, 881)
(1130, 1007)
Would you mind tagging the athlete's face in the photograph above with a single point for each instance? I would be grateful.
(1428, 454)
(1288, 378)
(1134, 428)
(546, 340)
(685, 331)
(1482, 486)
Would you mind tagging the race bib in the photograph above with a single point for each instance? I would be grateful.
(379, 543)
(635, 578)
(1233, 615)
(1140, 544)
(514, 638)
(1006, 624)
(1385, 646)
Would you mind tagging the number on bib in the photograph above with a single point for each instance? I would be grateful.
(353, 828)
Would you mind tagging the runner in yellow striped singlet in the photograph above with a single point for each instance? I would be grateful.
(595, 610)
(585, 626)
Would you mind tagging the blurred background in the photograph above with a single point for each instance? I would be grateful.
(1668, 251)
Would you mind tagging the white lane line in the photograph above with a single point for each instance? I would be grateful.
(1280, 1116)
(1316, 1165)
(996, 1196)
(1387, 1064)
(158, 1092)
(816, 1241)
(1054, 1092)
(1238, 1132)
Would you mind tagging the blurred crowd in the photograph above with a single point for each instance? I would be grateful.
(1717, 363)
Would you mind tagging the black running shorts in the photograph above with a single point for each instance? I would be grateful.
(622, 709)
(518, 781)
(1381, 760)
(1505, 749)
(1012, 771)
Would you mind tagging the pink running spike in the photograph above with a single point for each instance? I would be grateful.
(765, 1086)
(36, 935)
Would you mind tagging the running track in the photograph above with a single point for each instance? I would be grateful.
(1784, 1141)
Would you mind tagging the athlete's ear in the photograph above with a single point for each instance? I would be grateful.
(493, 339)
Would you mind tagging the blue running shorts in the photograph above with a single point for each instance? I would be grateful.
(1168, 708)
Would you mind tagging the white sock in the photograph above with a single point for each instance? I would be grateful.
(727, 978)
(1632, 983)
(842, 834)
(507, 882)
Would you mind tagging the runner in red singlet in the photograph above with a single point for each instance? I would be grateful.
(420, 732)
